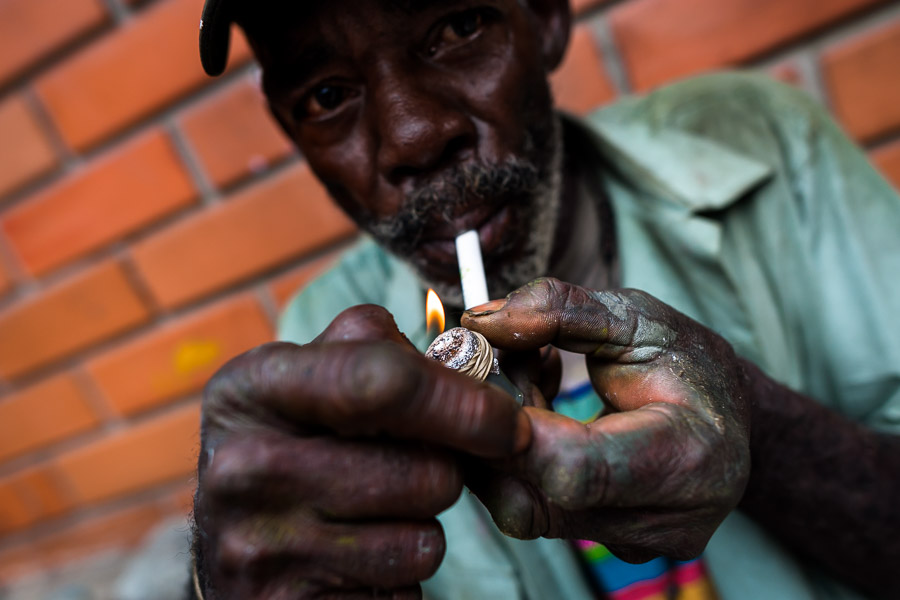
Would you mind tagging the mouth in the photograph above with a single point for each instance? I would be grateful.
(438, 247)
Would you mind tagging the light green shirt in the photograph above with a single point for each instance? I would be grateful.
(739, 202)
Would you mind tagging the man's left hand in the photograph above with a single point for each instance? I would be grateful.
(668, 461)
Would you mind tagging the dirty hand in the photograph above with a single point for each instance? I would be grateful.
(322, 466)
(657, 473)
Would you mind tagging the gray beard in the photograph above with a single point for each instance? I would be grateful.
(541, 224)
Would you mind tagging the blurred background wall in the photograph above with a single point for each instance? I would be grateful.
(153, 221)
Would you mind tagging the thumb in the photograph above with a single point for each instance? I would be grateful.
(623, 325)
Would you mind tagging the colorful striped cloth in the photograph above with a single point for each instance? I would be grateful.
(659, 579)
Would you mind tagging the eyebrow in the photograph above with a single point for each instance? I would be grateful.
(420, 5)
(299, 66)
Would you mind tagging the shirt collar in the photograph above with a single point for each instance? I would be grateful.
(695, 172)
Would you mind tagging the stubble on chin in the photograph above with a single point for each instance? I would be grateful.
(539, 220)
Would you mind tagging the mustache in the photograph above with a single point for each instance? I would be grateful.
(451, 194)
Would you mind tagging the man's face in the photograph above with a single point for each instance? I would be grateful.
(423, 119)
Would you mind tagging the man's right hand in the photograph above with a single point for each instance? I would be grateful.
(323, 466)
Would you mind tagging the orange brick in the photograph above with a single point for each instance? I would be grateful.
(271, 223)
(133, 72)
(161, 450)
(862, 76)
(178, 358)
(29, 496)
(6, 282)
(581, 83)
(233, 134)
(283, 288)
(25, 151)
(42, 491)
(582, 6)
(42, 414)
(14, 512)
(120, 530)
(181, 501)
(18, 562)
(72, 315)
(887, 159)
(30, 29)
(127, 189)
(662, 40)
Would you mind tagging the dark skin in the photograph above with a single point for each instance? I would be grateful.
(386, 438)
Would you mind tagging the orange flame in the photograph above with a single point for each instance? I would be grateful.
(434, 313)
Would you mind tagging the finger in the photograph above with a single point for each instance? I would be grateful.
(660, 455)
(362, 389)
(340, 479)
(523, 371)
(625, 325)
(522, 511)
(383, 555)
(536, 372)
(365, 322)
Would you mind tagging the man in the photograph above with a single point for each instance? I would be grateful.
(323, 466)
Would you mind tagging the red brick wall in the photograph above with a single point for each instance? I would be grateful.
(152, 221)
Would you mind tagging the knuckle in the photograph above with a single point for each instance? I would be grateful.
(443, 483)
(377, 378)
(238, 553)
(363, 312)
(237, 381)
(427, 548)
(573, 478)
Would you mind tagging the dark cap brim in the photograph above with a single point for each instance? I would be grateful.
(215, 36)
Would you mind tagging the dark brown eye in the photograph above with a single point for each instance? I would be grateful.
(323, 99)
(466, 24)
(461, 27)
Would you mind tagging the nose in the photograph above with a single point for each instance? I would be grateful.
(421, 128)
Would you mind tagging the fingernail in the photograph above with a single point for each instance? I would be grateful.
(486, 308)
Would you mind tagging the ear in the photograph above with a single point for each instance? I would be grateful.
(554, 19)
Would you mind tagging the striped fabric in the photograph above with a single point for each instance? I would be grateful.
(659, 579)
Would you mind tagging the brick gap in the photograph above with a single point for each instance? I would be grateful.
(115, 250)
(35, 186)
(271, 171)
(157, 320)
(96, 399)
(888, 140)
(263, 294)
(810, 65)
(44, 530)
(160, 410)
(133, 276)
(797, 59)
(46, 456)
(68, 159)
(12, 265)
(118, 10)
(58, 55)
(189, 159)
(602, 8)
(881, 140)
(248, 285)
(163, 115)
(856, 22)
(610, 56)
(69, 162)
